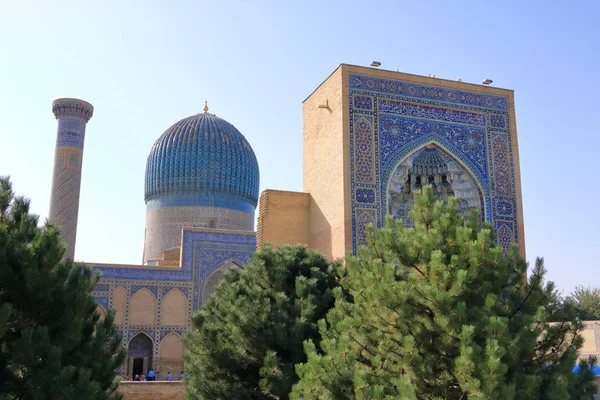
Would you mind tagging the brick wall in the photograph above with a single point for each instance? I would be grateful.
(283, 218)
(158, 390)
(325, 158)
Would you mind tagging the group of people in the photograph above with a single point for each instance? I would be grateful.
(151, 376)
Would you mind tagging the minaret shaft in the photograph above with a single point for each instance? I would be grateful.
(72, 116)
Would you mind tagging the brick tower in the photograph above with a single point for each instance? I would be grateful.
(72, 116)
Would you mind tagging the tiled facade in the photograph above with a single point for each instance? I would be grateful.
(391, 119)
(363, 127)
(204, 252)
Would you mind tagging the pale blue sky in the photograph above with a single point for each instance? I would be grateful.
(146, 64)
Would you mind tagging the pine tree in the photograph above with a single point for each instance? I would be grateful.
(250, 334)
(53, 344)
(439, 312)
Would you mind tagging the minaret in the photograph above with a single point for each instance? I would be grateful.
(72, 116)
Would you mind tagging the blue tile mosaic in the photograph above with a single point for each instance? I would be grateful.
(102, 300)
(427, 92)
(428, 112)
(471, 128)
(365, 195)
(71, 132)
(101, 287)
(202, 155)
(184, 200)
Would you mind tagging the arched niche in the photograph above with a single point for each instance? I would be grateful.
(213, 279)
(101, 311)
(432, 165)
(142, 308)
(118, 304)
(170, 355)
(139, 351)
(174, 309)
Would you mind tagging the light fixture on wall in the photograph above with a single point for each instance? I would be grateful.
(487, 81)
(375, 64)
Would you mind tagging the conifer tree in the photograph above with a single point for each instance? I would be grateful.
(439, 312)
(250, 334)
(53, 344)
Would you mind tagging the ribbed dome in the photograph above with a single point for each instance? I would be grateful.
(202, 155)
(429, 161)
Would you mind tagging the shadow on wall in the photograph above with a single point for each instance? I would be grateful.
(320, 231)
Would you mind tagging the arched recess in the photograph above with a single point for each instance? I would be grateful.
(142, 308)
(118, 304)
(458, 175)
(100, 310)
(213, 279)
(174, 309)
(139, 351)
(170, 355)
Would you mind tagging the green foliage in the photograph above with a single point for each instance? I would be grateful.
(250, 334)
(587, 301)
(53, 344)
(583, 387)
(439, 312)
(584, 300)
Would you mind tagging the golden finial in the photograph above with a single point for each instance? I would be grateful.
(430, 146)
(205, 106)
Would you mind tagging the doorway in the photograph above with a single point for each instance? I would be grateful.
(140, 355)
(138, 366)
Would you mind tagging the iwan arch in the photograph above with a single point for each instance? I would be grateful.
(371, 137)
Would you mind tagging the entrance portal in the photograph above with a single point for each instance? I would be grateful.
(431, 166)
(140, 355)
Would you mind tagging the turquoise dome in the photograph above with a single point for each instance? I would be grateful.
(202, 160)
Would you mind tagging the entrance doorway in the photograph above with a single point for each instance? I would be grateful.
(140, 355)
(138, 366)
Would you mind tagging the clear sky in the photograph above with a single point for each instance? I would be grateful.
(146, 64)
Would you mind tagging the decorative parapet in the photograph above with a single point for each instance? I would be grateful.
(72, 108)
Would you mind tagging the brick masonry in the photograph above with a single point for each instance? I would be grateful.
(152, 390)
(284, 218)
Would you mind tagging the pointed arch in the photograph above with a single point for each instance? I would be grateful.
(142, 308)
(211, 281)
(472, 171)
(118, 304)
(170, 354)
(141, 345)
(100, 310)
(174, 309)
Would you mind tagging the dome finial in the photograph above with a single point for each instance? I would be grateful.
(205, 106)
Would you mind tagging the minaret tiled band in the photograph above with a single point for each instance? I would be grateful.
(72, 116)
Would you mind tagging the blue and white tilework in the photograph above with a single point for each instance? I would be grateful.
(204, 251)
(390, 120)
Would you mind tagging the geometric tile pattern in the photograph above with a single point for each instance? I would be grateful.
(391, 120)
(363, 149)
(202, 155)
(203, 252)
(164, 225)
(364, 218)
